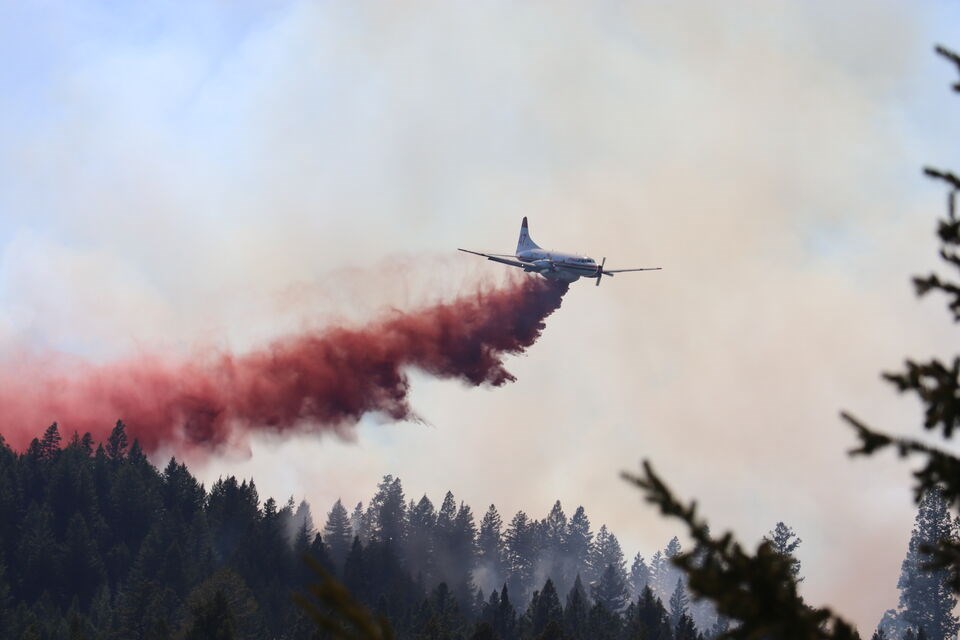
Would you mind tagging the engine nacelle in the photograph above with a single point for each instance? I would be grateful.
(544, 266)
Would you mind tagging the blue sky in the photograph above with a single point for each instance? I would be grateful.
(179, 175)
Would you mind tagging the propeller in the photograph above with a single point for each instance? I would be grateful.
(600, 270)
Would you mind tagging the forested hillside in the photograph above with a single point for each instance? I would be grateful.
(98, 543)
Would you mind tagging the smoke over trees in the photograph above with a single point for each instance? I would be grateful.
(96, 540)
(110, 545)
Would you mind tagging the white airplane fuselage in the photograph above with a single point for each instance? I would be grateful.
(558, 265)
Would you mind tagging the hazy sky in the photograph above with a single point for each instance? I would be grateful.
(180, 175)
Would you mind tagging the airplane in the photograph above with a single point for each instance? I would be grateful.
(552, 265)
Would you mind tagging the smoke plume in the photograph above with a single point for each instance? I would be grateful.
(315, 381)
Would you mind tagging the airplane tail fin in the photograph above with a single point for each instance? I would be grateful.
(525, 243)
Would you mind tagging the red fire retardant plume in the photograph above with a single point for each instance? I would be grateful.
(313, 381)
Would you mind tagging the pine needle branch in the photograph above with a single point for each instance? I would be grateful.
(757, 590)
(941, 471)
(952, 57)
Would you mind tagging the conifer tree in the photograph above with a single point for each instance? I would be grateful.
(926, 599)
(659, 574)
(553, 557)
(385, 515)
(669, 573)
(678, 604)
(520, 554)
(355, 575)
(579, 541)
(606, 551)
(489, 609)
(117, 442)
(446, 514)
(610, 589)
(358, 523)
(419, 546)
(576, 612)
(785, 541)
(639, 576)
(505, 621)
(444, 541)
(50, 443)
(603, 624)
(302, 519)
(653, 623)
(489, 550)
(544, 608)
(463, 552)
(338, 533)
(685, 629)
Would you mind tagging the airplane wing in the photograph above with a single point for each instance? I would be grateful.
(626, 270)
(498, 257)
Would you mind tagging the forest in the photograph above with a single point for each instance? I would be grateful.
(97, 542)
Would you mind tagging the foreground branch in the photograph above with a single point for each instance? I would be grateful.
(759, 591)
(941, 471)
(334, 609)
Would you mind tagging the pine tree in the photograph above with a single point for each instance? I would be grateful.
(926, 600)
(443, 541)
(463, 552)
(117, 442)
(446, 514)
(50, 443)
(606, 551)
(659, 574)
(553, 557)
(669, 572)
(685, 629)
(183, 497)
(355, 571)
(576, 612)
(358, 523)
(544, 608)
(489, 550)
(302, 520)
(579, 541)
(520, 554)
(610, 589)
(385, 515)
(603, 624)
(338, 533)
(785, 541)
(678, 604)
(652, 621)
(639, 576)
(419, 546)
(505, 620)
